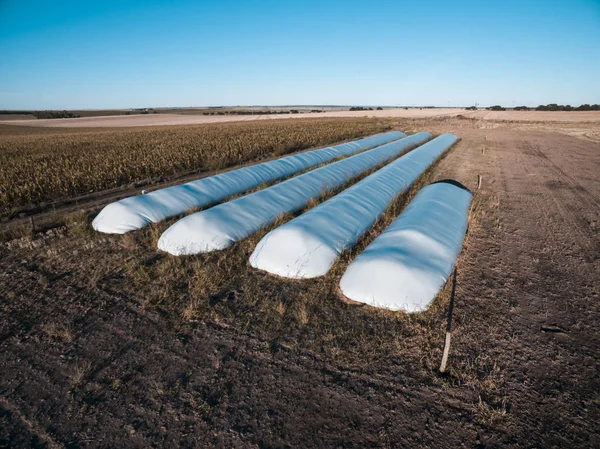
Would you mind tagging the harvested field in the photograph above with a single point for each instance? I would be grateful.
(106, 342)
(518, 116)
(43, 166)
(416, 113)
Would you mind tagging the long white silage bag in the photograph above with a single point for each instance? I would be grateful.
(308, 246)
(408, 264)
(138, 211)
(222, 225)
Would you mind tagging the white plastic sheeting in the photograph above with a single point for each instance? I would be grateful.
(308, 246)
(222, 225)
(138, 211)
(408, 264)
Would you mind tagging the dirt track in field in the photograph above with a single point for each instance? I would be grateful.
(86, 362)
(180, 119)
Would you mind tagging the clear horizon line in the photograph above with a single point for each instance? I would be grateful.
(412, 106)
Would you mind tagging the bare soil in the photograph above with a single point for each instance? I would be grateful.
(96, 351)
(184, 119)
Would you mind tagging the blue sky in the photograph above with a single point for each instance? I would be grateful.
(103, 54)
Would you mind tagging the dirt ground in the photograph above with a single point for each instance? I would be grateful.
(87, 360)
(179, 119)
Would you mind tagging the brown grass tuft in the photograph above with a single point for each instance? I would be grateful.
(60, 332)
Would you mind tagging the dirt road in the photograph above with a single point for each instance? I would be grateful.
(88, 361)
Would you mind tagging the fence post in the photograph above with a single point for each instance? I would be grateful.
(449, 326)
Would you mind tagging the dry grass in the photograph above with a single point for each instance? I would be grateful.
(80, 372)
(60, 332)
(40, 166)
(78, 224)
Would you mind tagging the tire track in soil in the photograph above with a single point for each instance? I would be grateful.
(575, 187)
(572, 194)
(550, 287)
(549, 231)
(37, 434)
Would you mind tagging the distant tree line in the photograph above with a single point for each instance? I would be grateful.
(360, 108)
(560, 107)
(42, 114)
(53, 114)
(547, 107)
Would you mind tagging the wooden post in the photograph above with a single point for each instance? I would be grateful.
(449, 326)
(32, 223)
(479, 181)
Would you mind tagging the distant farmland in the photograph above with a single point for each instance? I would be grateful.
(193, 117)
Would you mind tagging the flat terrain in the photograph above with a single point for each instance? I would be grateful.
(105, 342)
(181, 119)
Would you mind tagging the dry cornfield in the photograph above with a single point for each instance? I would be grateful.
(43, 166)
